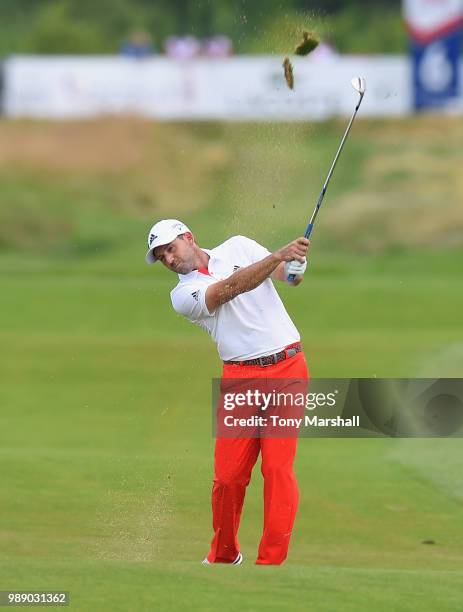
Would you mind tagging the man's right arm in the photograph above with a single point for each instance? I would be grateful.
(250, 277)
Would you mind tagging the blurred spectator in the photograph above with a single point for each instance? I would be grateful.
(182, 47)
(217, 46)
(138, 46)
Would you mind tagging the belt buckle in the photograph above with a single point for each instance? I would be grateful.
(264, 361)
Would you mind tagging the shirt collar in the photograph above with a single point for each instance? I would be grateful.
(194, 273)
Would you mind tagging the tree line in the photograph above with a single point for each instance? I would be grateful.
(254, 26)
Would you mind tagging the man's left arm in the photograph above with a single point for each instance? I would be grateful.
(283, 270)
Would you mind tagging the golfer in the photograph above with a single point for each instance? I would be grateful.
(228, 291)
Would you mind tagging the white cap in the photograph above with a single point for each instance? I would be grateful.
(161, 233)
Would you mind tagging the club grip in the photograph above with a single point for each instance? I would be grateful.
(308, 230)
(291, 278)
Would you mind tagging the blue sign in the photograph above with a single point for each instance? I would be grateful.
(436, 68)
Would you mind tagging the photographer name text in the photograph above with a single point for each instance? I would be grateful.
(277, 421)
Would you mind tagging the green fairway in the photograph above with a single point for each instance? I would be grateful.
(105, 393)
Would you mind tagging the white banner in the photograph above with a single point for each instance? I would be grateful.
(239, 88)
(428, 19)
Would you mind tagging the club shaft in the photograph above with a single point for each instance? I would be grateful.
(310, 225)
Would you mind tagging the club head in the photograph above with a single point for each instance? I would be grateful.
(358, 83)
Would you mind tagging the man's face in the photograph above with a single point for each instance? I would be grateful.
(178, 255)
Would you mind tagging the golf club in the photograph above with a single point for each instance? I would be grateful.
(358, 83)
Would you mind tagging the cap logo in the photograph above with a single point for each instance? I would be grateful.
(152, 237)
(178, 226)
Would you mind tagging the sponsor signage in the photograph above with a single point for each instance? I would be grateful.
(435, 28)
(239, 88)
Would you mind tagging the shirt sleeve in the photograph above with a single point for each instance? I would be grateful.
(254, 251)
(189, 300)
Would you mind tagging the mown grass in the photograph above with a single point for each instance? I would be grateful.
(105, 431)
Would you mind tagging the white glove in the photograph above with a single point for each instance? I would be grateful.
(295, 267)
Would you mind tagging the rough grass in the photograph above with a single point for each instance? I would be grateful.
(80, 186)
(55, 174)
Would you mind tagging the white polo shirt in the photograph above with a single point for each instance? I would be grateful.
(250, 325)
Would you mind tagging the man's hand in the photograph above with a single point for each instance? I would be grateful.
(295, 250)
(294, 253)
(295, 267)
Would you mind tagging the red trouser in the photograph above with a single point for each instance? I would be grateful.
(234, 460)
